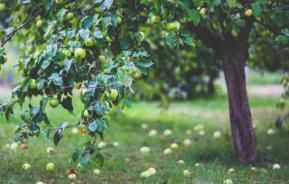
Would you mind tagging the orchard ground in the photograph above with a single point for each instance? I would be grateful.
(207, 158)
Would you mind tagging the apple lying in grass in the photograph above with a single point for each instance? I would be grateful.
(50, 166)
(50, 150)
(26, 166)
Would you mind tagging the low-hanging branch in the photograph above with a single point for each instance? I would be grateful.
(10, 35)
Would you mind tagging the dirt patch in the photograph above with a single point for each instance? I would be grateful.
(268, 90)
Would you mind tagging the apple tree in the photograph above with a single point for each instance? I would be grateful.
(66, 45)
(225, 26)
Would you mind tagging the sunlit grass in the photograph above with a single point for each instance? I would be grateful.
(125, 163)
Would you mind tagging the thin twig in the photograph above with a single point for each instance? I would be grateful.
(32, 17)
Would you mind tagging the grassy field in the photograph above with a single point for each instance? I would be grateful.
(125, 163)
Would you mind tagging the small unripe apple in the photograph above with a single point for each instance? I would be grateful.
(54, 102)
(82, 96)
(59, 2)
(140, 36)
(69, 16)
(89, 42)
(101, 58)
(155, 19)
(2, 6)
(249, 12)
(136, 73)
(39, 23)
(30, 49)
(98, 10)
(77, 85)
(203, 12)
(32, 84)
(67, 52)
(86, 114)
(83, 92)
(173, 26)
(112, 94)
(50, 166)
(234, 33)
(119, 20)
(108, 39)
(79, 53)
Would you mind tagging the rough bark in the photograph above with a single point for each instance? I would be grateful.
(242, 129)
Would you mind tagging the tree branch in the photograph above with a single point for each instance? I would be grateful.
(10, 35)
(209, 38)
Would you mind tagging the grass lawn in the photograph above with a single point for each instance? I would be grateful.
(123, 164)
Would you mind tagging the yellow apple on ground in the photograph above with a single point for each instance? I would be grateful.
(26, 166)
(74, 130)
(50, 166)
(50, 150)
(96, 171)
(72, 176)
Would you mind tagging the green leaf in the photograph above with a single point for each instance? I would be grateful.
(145, 64)
(45, 64)
(194, 16)
(57, 137)
(92, 127)
(59, 133)
(234, 4)
(187, 38)
(257, 9)
(3, 57)
(76, 155)
(171, 40)
(107, 4)
(87, 21)
(67, 103)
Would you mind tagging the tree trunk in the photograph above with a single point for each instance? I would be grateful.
(240, 116)
(211, 85)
